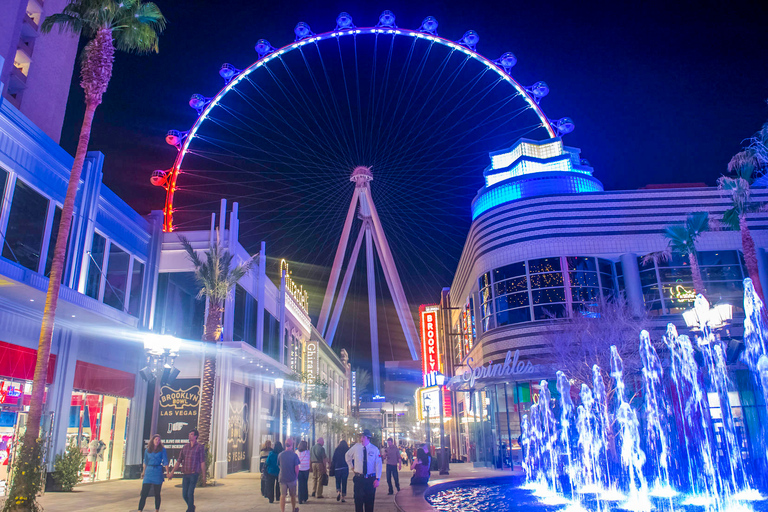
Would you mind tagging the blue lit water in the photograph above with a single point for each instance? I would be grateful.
(493, 496)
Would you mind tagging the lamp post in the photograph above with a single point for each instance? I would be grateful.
(279, 385)
(440, 379)
(330, 417)
(313, 404)
(161, 352)
(427, 401)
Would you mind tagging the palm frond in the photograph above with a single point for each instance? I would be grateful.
(214, 273)
(697, 223)
(65, 22)
(679, 238)
(657, 257)
(743, 164)
(731, 219)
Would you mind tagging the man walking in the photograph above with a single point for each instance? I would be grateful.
(394, 465)
(289, 475)
(364, 460)
(319, 461)
(192, 461)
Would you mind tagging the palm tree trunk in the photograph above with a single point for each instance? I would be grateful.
(49, 313)
(698, 281)
(211, 336)
(750, 256)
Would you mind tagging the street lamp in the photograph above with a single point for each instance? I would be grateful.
(427, 402)
(440, 380)
(161, 352)
(279, 385)
(313, 404)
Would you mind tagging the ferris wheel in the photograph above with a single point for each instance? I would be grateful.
(281, 137)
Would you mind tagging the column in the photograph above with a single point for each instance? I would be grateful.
(260, 286)
(59, 397)
(134, 442)
(257, 423)
(224, 371)
(762, 267)
(633, 288)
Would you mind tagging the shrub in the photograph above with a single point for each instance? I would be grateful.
(68, 467)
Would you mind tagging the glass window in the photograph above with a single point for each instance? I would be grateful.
(620, 275)
(137, 283)
(606, 267)
(117, 277)
(96, 260)
(546, 280)
(584, 294)
(515, 300)
(514, 270)
(583, 278)
(52, 247)
(179, 312)
(238, 328)
(517, 284)
(26, 226)
(549, 312)
(484, 280)
(513, 316)
(548, 295)
(581, 263)
(544, 265)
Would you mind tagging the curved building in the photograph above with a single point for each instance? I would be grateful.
(546, 241)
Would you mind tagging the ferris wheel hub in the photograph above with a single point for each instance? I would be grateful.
(361, 174)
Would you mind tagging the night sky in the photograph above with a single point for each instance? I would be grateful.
(660, 92)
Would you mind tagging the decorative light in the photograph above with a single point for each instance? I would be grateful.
(313, 404)
(279, 383)
(330, 415)
(158, 344)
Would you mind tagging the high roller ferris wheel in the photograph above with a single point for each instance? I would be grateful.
(421, 110)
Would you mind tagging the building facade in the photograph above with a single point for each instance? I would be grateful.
(125, 279)
(547, 242)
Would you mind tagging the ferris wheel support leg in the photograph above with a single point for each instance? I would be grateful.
(339, 305)
(375, 368)
(395, 285)
(338, 261)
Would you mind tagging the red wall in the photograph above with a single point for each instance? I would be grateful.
(19, 362)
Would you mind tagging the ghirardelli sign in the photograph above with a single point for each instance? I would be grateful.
(180, 398)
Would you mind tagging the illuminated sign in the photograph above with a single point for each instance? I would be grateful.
(512, 366)
(298, 292)
(312, 358)
(428, 400)
(430, 347)
(682, 294)
(9, 391)
(354, 390)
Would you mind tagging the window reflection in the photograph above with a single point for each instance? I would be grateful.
(26, 226)
(117, 277)
(96, 261)
(137, 283)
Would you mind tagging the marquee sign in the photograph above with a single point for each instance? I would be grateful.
(430, 346)
(354, 391)
(312, 358)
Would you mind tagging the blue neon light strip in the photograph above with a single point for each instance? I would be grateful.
(507, 192)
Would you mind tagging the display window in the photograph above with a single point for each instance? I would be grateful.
(97, 424)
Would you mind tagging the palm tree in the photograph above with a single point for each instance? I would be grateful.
(682, 239)
(744, 166)
(217, 278)
(130, 26)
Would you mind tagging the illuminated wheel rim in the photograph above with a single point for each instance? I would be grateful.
(386, 32)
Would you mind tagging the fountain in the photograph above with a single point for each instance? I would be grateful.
(678, 457)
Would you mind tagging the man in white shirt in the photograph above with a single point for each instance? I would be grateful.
(364, 461)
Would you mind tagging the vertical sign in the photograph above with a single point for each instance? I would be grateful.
(430, 348)
(179, 405)
(353, 394)
(238, 458)
(312, 358)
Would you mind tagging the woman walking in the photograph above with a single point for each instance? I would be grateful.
(155, 468)
(341, 470)
(265, 451)
(271, 473)
(304, 467)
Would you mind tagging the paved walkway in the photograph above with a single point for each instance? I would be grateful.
(240, 493)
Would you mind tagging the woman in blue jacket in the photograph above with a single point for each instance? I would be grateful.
(272, 472)
(155, 468)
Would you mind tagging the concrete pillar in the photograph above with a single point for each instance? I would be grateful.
(258, 426)
(633, 288)
(224, 376)
(134, 441)
(59, 397)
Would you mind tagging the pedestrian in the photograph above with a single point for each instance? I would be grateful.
(155, 468)
(365, 461)
(394, 465)
(272, 472)
(289, 475)
(409, 454)
(192, 461)
(304, 468)
(421, 467)
(263, 465)
(319, 470)
(341, 470)
(403, 457)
